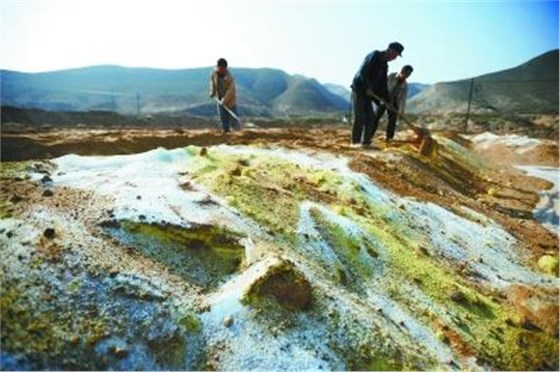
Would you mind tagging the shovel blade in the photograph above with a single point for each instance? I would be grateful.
(428, 146)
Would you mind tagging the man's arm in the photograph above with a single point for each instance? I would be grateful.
(366, 75)
(212, 85)
(378, 76)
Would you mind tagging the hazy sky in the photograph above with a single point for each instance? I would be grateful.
(327, 40)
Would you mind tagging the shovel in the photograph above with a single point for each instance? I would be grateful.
(428, 145)
(230, 112)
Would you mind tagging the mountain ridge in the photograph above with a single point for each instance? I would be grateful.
(262, 91)
(531, 87)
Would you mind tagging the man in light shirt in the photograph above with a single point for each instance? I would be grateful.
(222, 88)
(398, 90)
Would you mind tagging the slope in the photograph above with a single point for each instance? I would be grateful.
(529, 88)
(278, 249)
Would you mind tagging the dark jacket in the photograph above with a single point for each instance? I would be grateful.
(372, 76)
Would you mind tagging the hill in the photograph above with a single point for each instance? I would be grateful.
(413, 89)
(531, 87)
(262, 92)
(339, 90)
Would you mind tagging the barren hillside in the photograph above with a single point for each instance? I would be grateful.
(531, 87)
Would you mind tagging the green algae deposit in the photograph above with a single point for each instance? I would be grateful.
(203, 255)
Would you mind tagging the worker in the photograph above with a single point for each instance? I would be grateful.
(370, 84)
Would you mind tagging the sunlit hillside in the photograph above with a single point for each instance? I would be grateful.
(529, 88)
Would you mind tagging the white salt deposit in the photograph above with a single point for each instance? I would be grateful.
(486, 249)
(249, 345)
(146, 187)
(311, 241)
(522, 143)
(149, 185)
(548, 209)
(419, 333)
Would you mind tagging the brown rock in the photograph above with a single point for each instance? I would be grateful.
(228, 321)
(285, 284)
(49, 233)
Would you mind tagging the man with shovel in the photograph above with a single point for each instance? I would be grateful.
(370, 84)
(222, 89)
(398, 90)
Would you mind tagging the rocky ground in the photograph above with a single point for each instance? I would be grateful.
(274, 248)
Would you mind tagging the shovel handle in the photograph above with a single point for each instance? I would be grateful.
(399, 114)
(228, 110)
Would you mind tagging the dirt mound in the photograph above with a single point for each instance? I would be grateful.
(274, 248)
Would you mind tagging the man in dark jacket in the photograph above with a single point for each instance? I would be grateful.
(370, 82)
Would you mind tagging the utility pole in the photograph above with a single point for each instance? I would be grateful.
(469, 105)
(137, 104)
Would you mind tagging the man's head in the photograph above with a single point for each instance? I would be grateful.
(221, 65)
(393, 50)
(406, 71)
